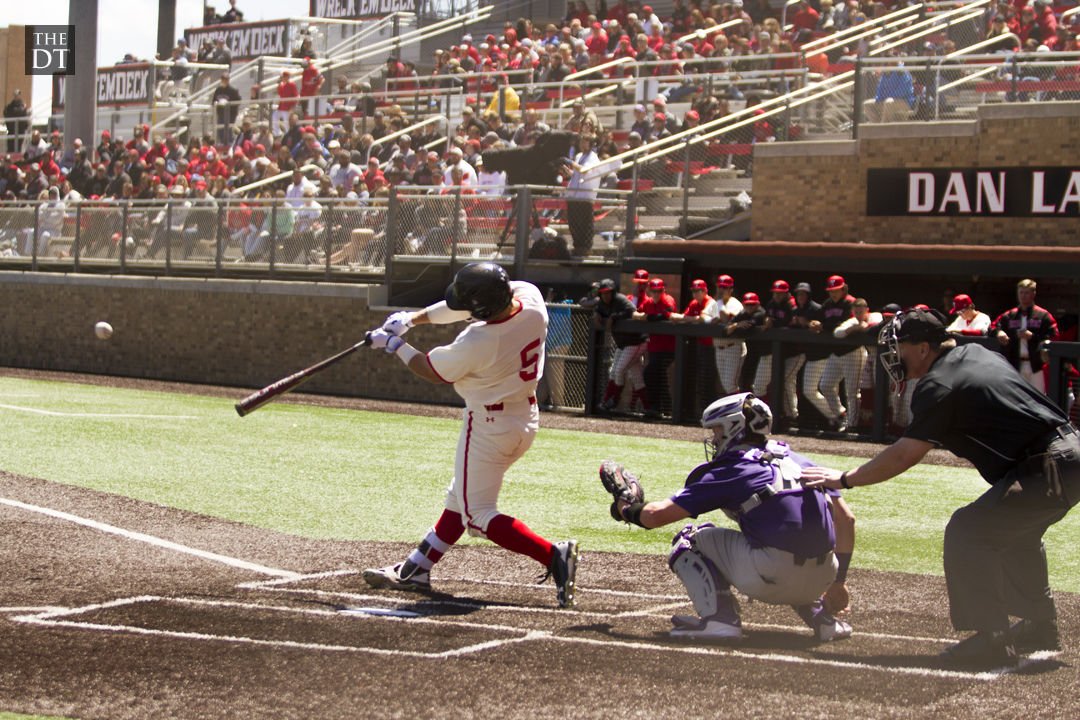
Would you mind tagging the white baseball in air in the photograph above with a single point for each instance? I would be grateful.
(103, 330)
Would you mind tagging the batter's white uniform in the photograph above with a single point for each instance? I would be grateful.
(495, 367)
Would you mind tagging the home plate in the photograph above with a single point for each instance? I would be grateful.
(391, 612)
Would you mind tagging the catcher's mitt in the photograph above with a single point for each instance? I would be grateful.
(624, 486)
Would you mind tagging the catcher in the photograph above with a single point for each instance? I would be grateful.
(793, 545)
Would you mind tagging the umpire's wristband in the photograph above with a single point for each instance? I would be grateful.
(843, 481)
(632, 513)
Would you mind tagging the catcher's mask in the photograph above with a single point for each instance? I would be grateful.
(736, 416)
(482, 288)
(914, 326)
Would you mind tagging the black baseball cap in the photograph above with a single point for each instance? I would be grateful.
(921, 326)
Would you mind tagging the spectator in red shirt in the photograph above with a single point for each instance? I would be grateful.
(287, 92)
(311, 82)
(805, 18)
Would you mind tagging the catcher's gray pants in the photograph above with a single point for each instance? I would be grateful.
(763, 380)
(995, 559)
(767, 574)
(729, 359)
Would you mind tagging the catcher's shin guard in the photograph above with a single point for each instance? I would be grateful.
(708, 589)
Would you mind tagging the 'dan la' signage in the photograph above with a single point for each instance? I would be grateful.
(974, 192)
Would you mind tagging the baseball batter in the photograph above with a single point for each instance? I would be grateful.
(494, 364)
(793, 545)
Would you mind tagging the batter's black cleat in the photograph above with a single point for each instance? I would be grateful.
(412, 579)
(985, 650)
(563, 567)
(1035, 635)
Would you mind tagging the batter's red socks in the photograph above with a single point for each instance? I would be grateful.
(516, 536)
(438, 540)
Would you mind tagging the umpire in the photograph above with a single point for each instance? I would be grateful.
(970, 401)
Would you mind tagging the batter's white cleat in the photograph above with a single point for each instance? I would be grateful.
(710, 628)
(563, 568)
(391, 577)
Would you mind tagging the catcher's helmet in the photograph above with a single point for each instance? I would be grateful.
(736, 415)
(482, 288)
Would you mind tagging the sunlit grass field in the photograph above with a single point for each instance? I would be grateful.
(352, 475)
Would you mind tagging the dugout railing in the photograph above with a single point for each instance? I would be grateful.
(693, 385)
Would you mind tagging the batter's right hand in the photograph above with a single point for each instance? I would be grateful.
(398, 323)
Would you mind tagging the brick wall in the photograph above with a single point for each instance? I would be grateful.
(228, 332)
(816, 191)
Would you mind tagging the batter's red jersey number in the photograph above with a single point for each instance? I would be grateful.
(530, 361)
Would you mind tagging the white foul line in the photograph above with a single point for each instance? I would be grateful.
(151, 540)
(121, 416)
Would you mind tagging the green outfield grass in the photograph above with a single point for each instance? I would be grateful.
(344, 474)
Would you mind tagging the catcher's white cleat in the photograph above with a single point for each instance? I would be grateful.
(391, 577)
(710, 628)
(829, 631)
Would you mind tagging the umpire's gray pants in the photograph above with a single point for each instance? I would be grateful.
(995, 559)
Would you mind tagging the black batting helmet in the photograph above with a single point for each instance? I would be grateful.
(482, 288)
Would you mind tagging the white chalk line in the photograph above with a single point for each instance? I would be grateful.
(54, 618)
(657, 611)
(109, 416)
(150, 539)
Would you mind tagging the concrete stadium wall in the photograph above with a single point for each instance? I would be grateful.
(227, 332)
(816, 191)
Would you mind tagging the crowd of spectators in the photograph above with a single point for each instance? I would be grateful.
(355, 149)
(814, 372)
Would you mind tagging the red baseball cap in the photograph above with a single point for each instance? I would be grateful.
(699, 285)
(725, 281)
(641, 276)
(692, 114)
(960, 302)
(660, 116)
(751, 298)
(781, 286)
(835, 282)
(656, 284)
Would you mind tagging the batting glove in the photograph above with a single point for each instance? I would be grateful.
(382, 339)
(398, 323)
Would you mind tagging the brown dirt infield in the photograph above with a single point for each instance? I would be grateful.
(95, 624)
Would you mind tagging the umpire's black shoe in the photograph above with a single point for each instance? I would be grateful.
(982, 651)
(1034, 635)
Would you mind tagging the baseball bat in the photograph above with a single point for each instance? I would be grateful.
(257, 399)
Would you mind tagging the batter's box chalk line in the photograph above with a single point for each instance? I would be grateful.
(63, 618)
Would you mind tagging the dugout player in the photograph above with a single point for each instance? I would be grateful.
(494, 364)
(971, 402)
(780, 314)
(793, 543)
(1022, 331)
(630, 348)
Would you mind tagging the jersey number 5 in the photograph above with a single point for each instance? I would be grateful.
(530, 361)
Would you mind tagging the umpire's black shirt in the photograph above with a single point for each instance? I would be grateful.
(973, 403)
